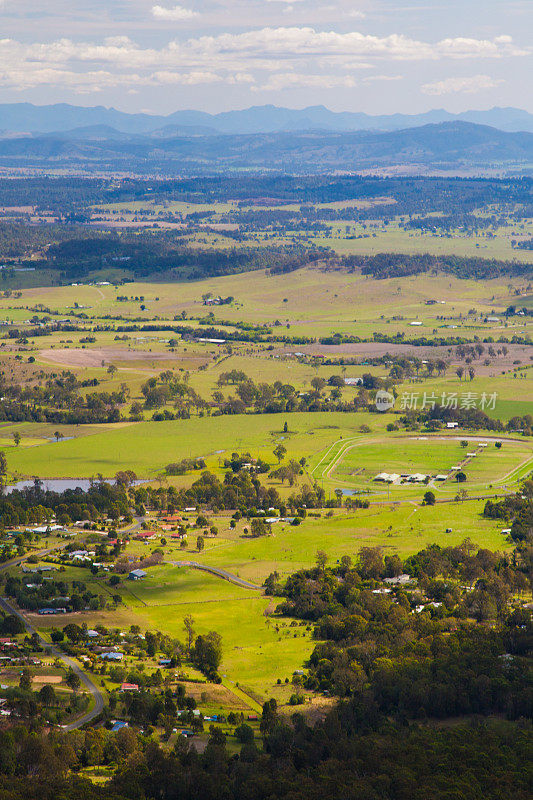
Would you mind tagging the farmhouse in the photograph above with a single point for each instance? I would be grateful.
(44, 612)
(145, 536)
(129, 687)
(399, 580)
(112, 656)
(452, 424)
(385, 477)
(137, 575)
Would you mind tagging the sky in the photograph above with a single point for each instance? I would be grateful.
(158, 56)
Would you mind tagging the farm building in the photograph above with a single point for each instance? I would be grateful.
(137, 575)
(385, 477)
(112, 656)
(145, 536)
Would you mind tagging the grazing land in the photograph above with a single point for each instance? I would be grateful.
(257, 446)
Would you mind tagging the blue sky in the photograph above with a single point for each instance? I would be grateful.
(158, 56)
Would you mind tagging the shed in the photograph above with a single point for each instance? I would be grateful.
(137, 575)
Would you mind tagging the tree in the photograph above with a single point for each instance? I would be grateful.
(16, 438)
(371, 564)
(460, 477)
(58, 435)
(259, 527)
(200, 543)
(459, 372)
(464, 443)
(244, 733)
(429, 498)
(47, 695)
(280, 452)
(188, 624)
(73, 631)
(321, 559)
(12, 625)
(471, 372)
(207, 652)
(73, 681)
(25, 680)
(318, 384)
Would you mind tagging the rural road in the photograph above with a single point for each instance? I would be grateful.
(87, 682)
(221, 573)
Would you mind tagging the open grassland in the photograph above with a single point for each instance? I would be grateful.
(312, 302)
(147, 447)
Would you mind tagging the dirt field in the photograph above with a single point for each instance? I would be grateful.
(498, 365)
(217, 694)
(94, 358)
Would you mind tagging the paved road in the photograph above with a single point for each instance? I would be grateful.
(87, 682)
(221, 573)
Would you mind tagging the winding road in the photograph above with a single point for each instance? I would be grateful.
(86, 681)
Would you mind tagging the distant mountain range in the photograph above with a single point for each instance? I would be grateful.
(25, 118)
(451, 147)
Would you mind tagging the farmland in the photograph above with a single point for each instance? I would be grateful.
(222, 409)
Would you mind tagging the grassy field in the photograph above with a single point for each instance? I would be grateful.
(358, 465)
(148, 446)
(259, 649)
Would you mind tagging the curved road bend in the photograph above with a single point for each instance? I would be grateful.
(221, 573)
(87, 682)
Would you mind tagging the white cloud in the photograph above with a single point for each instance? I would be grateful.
(295, 56)
(291, 80)
(476, 83)
(372, 78)
(307, 41)
(175, 14)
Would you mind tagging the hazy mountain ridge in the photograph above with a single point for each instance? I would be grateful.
(29, 118)
(448, 146)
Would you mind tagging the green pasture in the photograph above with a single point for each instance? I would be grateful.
(358, 465)
(403, 528)
(147, 447)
